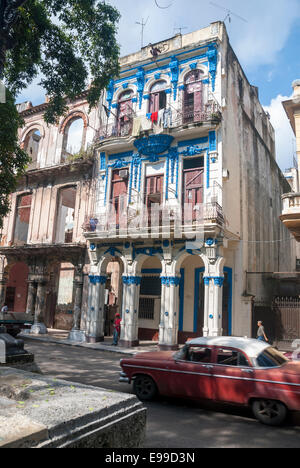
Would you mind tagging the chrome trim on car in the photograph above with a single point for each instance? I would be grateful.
(214, 375)
(169, 370)
(123, 378)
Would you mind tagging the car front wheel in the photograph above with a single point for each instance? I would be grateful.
(144, 387)
(269, 412)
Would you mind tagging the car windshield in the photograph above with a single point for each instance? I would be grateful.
(270, 357)
(181, 355)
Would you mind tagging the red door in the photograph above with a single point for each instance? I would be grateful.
(192, 376)
(118, 194)
(193, 190)
(232, 376)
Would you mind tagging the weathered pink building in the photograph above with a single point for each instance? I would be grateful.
(42, 248)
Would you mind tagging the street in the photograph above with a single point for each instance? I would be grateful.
(171, 424)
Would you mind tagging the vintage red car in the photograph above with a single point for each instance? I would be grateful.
(223, 369)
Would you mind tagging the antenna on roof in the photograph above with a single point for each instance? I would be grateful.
(180, 29)
(229, 13)
(142, 24)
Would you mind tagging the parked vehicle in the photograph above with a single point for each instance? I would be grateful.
(224, 369)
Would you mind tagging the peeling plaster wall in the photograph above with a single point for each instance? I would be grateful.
(252, 194)
(45, 187)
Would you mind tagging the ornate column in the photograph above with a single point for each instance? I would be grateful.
(31, 297)
(213, 301)
(95, 313)
(130, 311)
(39, 328)
(207, 292)
(76, 334)
(168, 327)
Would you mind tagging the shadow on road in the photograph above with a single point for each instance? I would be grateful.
(171, 423)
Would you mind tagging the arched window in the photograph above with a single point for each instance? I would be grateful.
(125, 113)
(193, 97)
(158, 96)
(31, 146)
(73, 137)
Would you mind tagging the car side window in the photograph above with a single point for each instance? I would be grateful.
(229, 357)
(199, 354)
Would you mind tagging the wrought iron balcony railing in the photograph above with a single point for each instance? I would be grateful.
(132, 220)
(211, 111)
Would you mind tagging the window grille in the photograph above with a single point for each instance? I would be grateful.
(146, 309)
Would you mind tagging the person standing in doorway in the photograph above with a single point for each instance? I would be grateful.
(261, 334)
(117, 329)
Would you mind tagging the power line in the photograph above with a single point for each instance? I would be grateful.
(163, 7)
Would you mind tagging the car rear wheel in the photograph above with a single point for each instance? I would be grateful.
(270, 412)
(144, 387)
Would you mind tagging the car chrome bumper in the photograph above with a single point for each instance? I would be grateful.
(123, 378)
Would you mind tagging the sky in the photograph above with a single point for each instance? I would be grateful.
(266, 44)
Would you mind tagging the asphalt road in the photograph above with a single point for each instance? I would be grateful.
(171, 423)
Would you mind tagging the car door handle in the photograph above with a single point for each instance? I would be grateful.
(208, 367)
(247, 371)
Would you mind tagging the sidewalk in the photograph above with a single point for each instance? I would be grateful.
(61, 337)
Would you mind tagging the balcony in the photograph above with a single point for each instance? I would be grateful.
(160, 222)
(291, 214)
(209, 113)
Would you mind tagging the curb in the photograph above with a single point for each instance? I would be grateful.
(95, 347)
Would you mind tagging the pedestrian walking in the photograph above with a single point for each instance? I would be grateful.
(117, 329)
(261, 334)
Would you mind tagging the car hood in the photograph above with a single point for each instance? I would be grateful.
(155, 356)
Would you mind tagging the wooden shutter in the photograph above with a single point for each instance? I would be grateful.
(193, 187)
(118, 193)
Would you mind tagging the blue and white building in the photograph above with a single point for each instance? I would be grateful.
(188, 194)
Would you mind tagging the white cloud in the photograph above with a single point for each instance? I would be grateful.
(256, 42)
(285, 138)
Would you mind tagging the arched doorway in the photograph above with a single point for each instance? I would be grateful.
(191, 270)
(125, 113)
(113, 294)
(193, 97)
(158, 96)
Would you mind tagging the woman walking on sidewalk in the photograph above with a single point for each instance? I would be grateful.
(117, 329)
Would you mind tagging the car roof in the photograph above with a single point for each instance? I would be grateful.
(248, 345)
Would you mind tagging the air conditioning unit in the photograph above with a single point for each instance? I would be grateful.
(123, 174)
